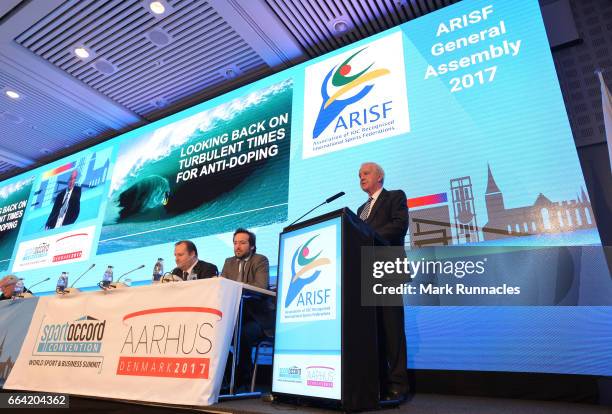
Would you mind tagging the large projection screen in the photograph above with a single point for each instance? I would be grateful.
(461, 107)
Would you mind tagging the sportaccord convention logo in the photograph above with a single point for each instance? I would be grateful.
(290, 374)
(362, 97)
(81, 336)
(65, 344)
(306, 272)
(40, 251)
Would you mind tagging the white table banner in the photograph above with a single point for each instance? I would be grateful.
(165, 343)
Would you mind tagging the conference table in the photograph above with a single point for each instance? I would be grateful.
(248, 292)
(162, 343)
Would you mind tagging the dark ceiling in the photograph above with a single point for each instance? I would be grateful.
(144, 66)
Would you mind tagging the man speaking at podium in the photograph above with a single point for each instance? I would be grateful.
(248, 267)
(386, 213)
(188, 266)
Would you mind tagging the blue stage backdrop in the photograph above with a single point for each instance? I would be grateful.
(461, 107)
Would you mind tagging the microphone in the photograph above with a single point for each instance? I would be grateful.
(35, 284)
(335, 196)
(329, 200)
(127, 273)
(82, 274)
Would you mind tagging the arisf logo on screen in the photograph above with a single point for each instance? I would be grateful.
(173, 342)
(362, 97)
(309, 277)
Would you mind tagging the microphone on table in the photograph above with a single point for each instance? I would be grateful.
(35, 284)
(82, 274)
(127, 273)
(329, 200)
(170, 277)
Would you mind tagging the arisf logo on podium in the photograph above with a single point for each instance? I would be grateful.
(309, 277)
(356, 97)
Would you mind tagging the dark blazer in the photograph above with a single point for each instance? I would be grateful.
(202, 269)
(256, 270)
(257, 273)
(389, 216)
(25, 290)
(74, 207)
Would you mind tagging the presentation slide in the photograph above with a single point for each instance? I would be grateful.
(13, 202)
(463, 110)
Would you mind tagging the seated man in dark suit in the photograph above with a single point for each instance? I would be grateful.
(188, 266)
(251, 268)
(7, 287)
(386, 212)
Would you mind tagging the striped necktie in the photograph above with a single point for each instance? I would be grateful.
(366, 209)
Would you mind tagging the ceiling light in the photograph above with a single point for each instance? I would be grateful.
(159, 102)
(160, 9)
(12, 94)
(104, 66)
(81, 52)
(158, 37)
(10, 117)
(157, 7)
(230, 72)
(340, 25)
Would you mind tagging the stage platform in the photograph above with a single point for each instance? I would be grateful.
(417, 404)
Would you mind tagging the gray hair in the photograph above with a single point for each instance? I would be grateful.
(378, 169)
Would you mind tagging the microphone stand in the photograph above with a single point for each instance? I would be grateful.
(307, 213)
(125, 274)
(25, 289)
(70, 289)
(329, 200)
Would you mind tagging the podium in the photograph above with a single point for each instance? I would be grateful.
(325, 347)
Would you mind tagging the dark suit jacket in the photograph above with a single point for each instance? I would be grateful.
(202, 269)
(389, 216)
(256, 273)
(256, 270)
(74, 207)
(25, 290)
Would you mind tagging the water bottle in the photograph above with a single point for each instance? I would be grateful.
(107, 279)
(62, 283)
(158, 270)
(18, 288)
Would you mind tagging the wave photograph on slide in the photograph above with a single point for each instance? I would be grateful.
(13, 201)
(221, 168)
